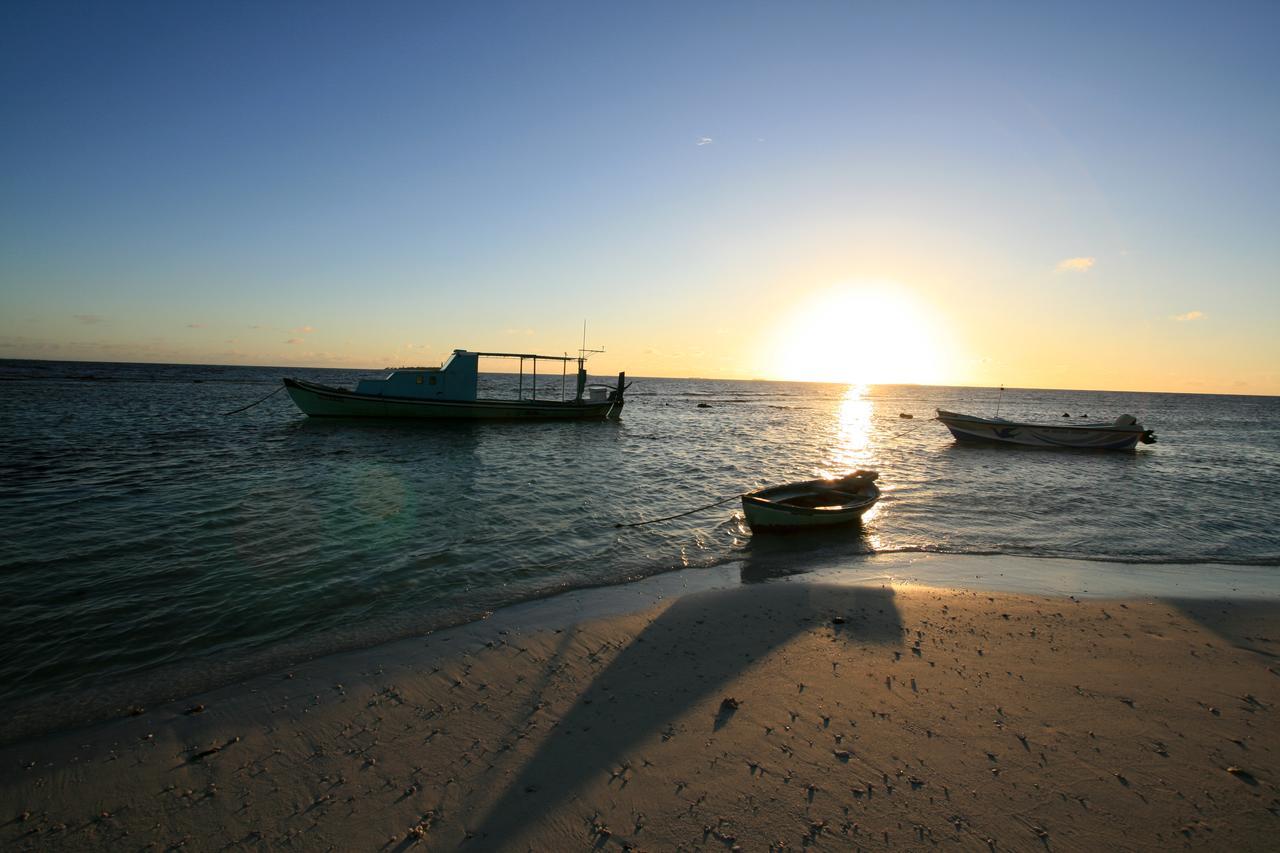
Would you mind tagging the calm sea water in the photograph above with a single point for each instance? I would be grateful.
(151, 546)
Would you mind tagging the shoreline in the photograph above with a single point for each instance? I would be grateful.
(869, 709)
(999, 573)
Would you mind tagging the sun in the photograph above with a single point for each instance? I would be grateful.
(858, 334)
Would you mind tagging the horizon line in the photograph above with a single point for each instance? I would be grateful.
(687, 378)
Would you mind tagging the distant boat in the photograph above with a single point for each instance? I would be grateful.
(450, 392)
(1122, 434)
(811, 503)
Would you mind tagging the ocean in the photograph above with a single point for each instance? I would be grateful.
(152, 546)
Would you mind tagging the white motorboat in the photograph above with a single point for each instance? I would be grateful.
(1123, 433)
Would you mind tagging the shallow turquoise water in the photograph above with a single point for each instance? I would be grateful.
(152, 546)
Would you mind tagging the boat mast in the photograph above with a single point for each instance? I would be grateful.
(583, 352)
(581, 365)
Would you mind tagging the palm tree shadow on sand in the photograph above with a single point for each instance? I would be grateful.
(691, 652)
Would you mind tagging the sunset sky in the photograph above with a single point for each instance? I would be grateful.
(1085, 196)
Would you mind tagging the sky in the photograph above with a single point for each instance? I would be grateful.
(1071, 195)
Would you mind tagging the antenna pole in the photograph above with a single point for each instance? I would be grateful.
(999, 400)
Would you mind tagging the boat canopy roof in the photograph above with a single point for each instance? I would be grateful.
(519, 355)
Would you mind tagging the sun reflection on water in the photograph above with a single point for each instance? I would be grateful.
(850, 448)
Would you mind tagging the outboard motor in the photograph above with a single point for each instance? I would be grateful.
(615, 396)
(1147, 437)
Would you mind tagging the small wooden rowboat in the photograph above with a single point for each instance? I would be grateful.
(811, 503)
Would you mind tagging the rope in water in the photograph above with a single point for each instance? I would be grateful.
(680, 514)
(254, 403)
(909, 429)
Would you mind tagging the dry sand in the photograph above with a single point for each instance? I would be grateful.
(783, 715)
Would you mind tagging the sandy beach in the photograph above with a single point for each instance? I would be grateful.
(806, 712)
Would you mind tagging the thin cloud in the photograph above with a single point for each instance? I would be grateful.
(705, 140)
(89, 319)
(295, 341)
(1189, 316)
(305, 330)
(195, 325)
(1076, 264)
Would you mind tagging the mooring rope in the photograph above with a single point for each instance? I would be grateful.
(254, 403)
(909, 429)
(680, 514)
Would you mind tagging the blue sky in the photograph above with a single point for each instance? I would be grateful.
(380, 183)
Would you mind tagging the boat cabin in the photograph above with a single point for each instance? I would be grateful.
(458, 378)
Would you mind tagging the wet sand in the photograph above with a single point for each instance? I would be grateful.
(806, 712)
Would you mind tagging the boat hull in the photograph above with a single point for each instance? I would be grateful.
(765, 510)
(970, 429)
(322, 401)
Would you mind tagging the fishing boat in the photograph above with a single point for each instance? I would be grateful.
(449, 391)
(1123, 433)
(811, 503)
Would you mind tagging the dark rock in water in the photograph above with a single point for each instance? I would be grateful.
(837, 620)
(1066, 414)
(730, 704)
(194, 709)
(905, 415)
(704, 405)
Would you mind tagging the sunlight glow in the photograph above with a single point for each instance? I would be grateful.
(858, 333)
(851, 441)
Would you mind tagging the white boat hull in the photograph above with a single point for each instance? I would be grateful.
(968, 428)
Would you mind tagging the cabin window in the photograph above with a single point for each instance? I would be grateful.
(433, 380)
(419, 378)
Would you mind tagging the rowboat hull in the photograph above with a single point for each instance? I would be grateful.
(772, 510)
(971, 429)
(322, 401)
